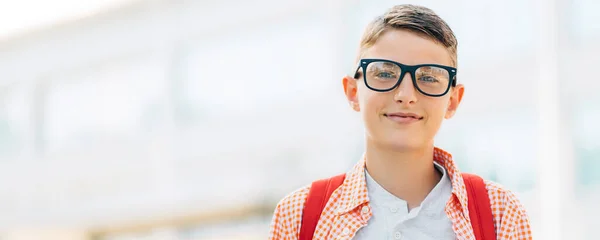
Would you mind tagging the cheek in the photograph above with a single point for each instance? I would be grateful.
(437, 111)
(372, 103)
(367, 99)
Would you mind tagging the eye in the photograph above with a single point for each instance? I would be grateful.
(428, 79)
(385, 75)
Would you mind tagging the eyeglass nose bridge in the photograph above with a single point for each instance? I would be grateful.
(403, 71)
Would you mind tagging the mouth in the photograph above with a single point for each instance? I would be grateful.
(403, 117)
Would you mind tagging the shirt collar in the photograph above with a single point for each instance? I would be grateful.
(355, 185)
(384, 197)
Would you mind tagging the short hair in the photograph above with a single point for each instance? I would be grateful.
(417, 19)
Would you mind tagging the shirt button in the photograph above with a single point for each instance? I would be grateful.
(397, 235)
(394, 209)
(346, 231)
(365, 210)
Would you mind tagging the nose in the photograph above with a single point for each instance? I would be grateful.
(406, 92)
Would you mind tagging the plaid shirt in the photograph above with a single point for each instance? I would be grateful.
(348, 209)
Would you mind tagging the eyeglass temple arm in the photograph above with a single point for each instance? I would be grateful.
(355, 74)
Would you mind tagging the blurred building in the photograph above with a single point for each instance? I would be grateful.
(191, 119)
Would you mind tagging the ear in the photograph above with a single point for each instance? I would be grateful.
(351, 91)
(455, 99)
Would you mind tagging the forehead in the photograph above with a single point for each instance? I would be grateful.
(408, 48)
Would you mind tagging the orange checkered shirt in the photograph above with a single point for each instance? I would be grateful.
(349, 209)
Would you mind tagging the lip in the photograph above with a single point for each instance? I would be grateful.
(403, 117)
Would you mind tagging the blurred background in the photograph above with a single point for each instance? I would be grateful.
(187, 119)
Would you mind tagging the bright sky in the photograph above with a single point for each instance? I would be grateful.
(18, 16)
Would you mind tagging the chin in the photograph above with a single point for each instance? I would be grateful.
(397, 140)
(403, 147)
(402, 144)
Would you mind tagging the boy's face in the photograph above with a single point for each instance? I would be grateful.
(403, 118)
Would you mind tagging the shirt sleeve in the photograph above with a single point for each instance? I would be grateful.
(522, 229)
(280, 229)
(510, 217)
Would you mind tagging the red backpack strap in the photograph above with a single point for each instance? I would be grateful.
(319, 194)
(480, 210)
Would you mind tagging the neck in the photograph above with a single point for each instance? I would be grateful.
(408, 175)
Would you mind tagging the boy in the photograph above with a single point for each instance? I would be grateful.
(404, 187)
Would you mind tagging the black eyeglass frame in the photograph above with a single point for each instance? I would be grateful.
(411, 69)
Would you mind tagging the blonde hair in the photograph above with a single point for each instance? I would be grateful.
(417, 19)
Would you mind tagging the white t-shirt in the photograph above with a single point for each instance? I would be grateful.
(392, 220)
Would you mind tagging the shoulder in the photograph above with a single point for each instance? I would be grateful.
(293, 203)
(287, 217)
(502, 198)
(510, 216)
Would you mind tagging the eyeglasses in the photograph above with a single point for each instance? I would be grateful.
(383, 75)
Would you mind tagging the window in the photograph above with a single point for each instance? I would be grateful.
(587, 146)
(15, 120)
(583, 19)
(104, 103)
(488, 145)
(274, 65)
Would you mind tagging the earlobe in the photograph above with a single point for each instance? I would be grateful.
(351, 92)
